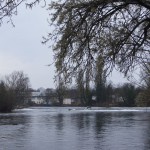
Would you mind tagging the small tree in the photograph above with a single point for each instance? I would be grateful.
(83, 87)
(128, 94)
(143, 98)
(50, 96)
(7, 99)
(17, 83)
(60, 90)
(100, 81)
(109, 93)
(80, 87)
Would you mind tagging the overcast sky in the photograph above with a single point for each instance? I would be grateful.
(21, 48)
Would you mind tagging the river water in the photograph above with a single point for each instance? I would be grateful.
(75, 129)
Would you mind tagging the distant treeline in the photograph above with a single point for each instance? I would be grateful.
(100, 92)
(125, 95)
(15, 92)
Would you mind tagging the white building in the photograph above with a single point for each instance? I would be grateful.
(68, 101)
(38, 96)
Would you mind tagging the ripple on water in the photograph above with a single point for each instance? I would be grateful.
(75, 129)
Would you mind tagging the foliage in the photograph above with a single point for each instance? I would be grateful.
(100, 81)
(143, 98)
(51, 97)
(81, 87)
(128, 94)
(109, 93)
(6, 98)
(84, 30)
(145, 75)
(60, 90)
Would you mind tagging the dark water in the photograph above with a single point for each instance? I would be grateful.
(63, 129)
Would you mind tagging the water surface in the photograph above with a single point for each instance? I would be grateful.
(75, 129)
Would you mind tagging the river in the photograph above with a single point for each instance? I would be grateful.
(55, 128)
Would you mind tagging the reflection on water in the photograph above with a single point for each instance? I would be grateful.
(81, 129)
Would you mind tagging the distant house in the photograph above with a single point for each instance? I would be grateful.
(43, 96)
(38, 96)
(93, 98)
(116, 100)
(38, 100)
(69, 101)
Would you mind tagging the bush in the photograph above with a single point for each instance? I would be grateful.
(7, 101)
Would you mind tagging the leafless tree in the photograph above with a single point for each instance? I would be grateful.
(19, 84)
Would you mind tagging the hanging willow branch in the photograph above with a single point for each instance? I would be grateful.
(118, 31)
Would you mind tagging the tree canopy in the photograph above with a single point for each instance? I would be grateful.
(84, 30)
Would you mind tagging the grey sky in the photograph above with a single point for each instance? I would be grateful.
(21, 48)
